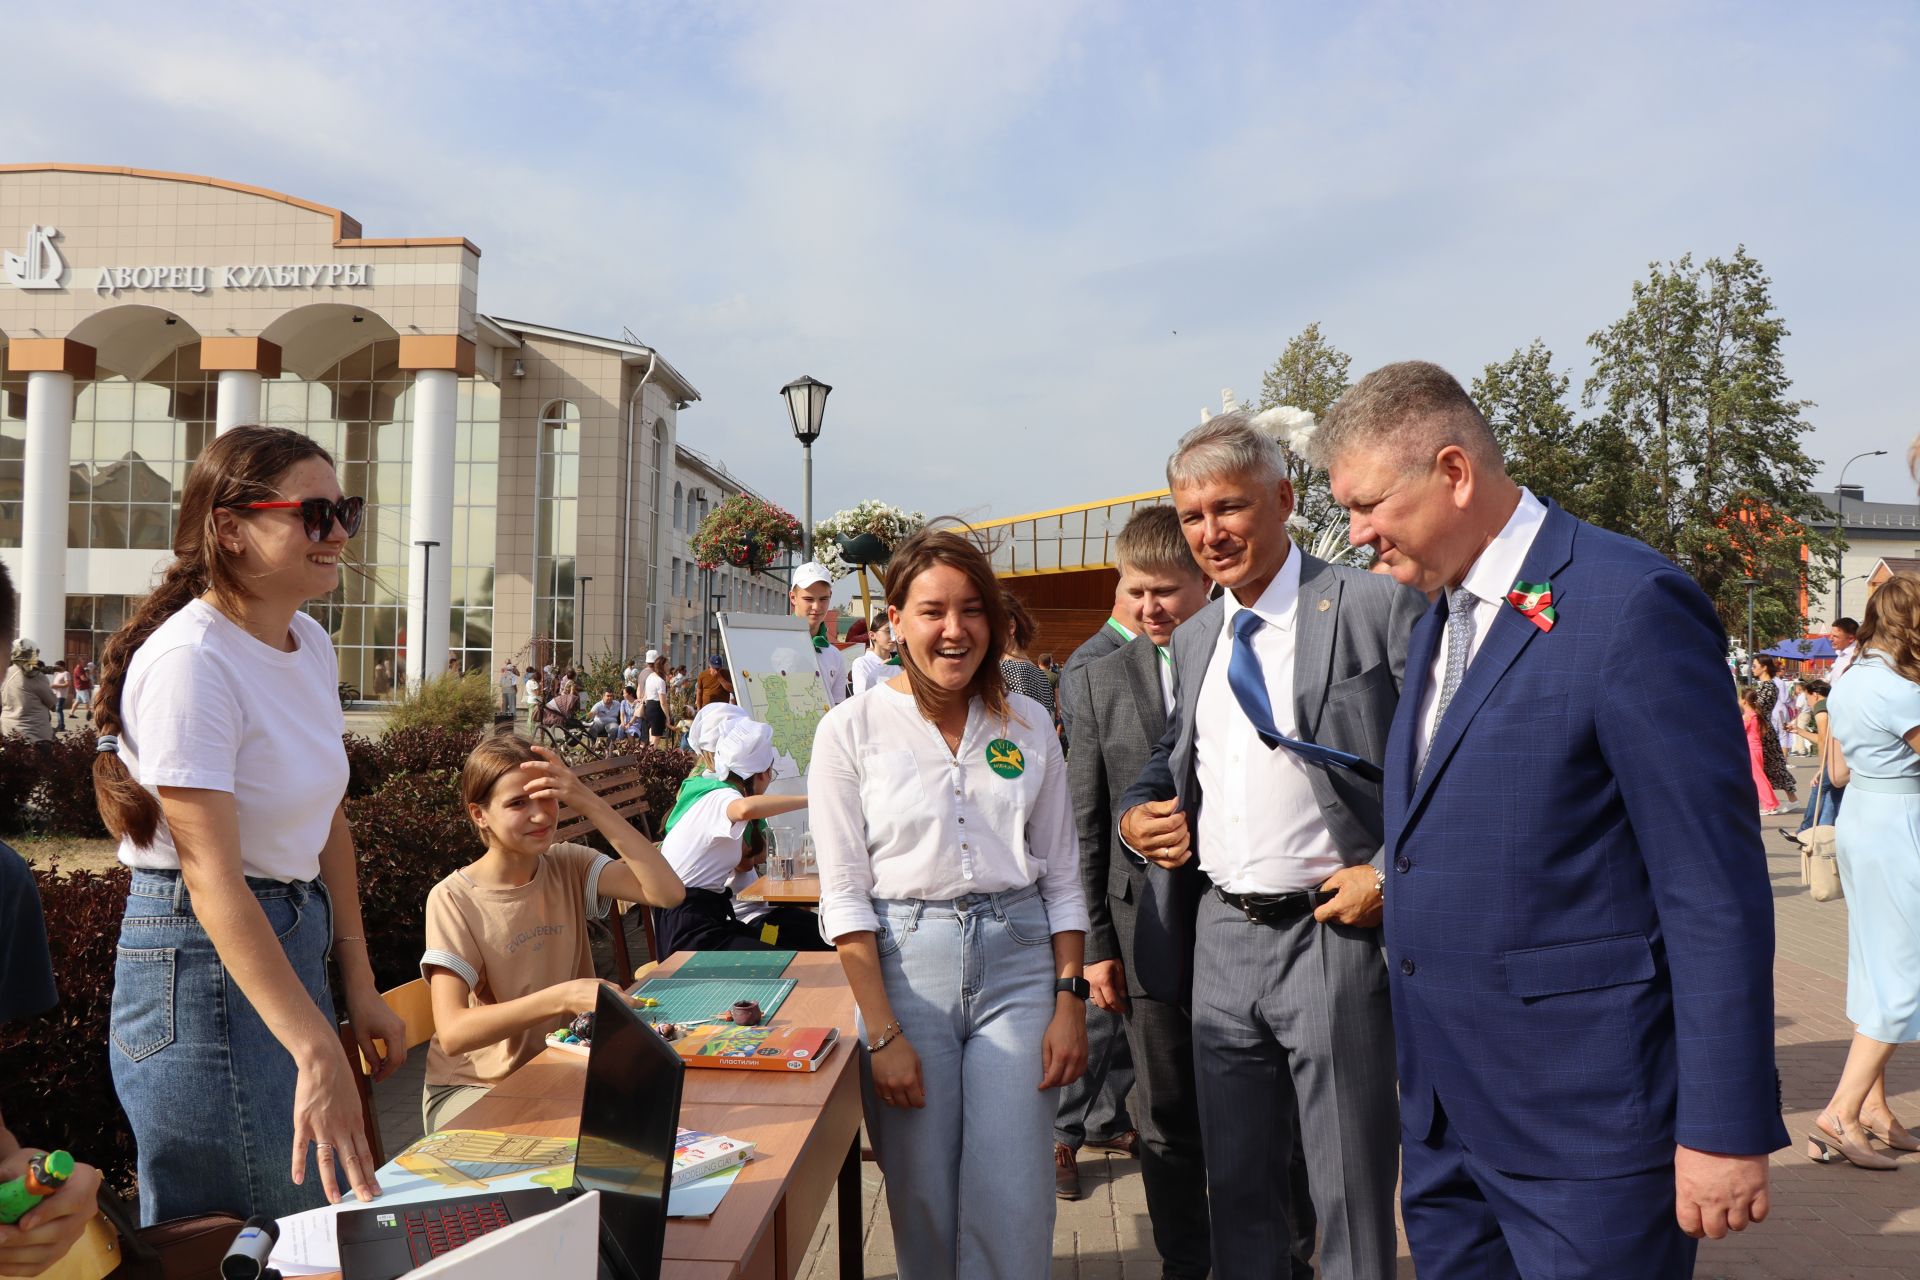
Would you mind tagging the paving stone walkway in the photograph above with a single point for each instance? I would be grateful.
(1828, 1223)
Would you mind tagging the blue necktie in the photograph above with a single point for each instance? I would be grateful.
(1250, 690)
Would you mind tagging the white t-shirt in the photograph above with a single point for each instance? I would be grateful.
(656, 689)
(833, 674)
(704, 846)
(206, 705)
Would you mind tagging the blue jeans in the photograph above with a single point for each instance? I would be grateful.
(206, 1086)
(1823, 805)
(970, 1175)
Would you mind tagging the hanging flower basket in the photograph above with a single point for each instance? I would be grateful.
(865, 535)
(745, 532)
(864, 549)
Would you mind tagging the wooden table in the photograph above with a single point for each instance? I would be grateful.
(805, 1124)
(800, 890)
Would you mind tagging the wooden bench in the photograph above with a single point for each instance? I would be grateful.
(617, 781)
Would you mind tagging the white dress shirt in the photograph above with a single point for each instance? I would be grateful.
(1261, 830)
(1842, 660)
(869, 669)
(896, 815)
(1491, 576)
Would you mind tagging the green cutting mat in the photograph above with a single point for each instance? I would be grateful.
(735, 964)
(697, 999)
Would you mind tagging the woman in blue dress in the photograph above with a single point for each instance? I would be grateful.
(1875, 716)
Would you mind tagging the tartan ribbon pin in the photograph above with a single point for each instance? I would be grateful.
(1534, 600)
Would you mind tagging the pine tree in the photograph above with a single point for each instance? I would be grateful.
(1584, 466)
(1694, 382)
(1310, 374)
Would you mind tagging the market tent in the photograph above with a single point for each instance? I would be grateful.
(1812, 649)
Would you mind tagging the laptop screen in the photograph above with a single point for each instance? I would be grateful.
(629, 1119)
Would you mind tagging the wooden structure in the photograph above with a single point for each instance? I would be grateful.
(805, 1124)
(1061, 565)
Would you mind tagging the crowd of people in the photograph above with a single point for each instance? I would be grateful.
(1367, 881)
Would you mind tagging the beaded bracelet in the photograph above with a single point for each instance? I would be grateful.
(889, 1033)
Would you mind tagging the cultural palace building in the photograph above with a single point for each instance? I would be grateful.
(528, 492)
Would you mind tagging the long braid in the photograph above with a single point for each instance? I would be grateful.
(127, 808)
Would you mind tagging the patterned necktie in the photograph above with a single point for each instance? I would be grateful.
(1245, 679)
(1460, 603)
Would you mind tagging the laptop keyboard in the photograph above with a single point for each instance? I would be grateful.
(433, 1230)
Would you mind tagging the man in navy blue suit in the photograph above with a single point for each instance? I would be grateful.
(1579, 926)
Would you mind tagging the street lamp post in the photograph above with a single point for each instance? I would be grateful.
(1840, 522)
(580, 582)
(806, 398)
(426, 601)
(716, 597)
(1751, 583)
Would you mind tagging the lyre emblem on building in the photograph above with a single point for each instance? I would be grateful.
(40, 266)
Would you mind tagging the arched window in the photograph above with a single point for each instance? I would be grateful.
(679, 509)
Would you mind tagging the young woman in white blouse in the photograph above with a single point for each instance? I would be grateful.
(225, 1054)
(950, 885)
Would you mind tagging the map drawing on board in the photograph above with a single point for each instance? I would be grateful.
(777, 681)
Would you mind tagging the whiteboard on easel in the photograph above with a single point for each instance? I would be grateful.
(776, 680)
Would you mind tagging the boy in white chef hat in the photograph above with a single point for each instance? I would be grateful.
(709, 839)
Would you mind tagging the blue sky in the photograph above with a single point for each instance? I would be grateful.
(985, 222)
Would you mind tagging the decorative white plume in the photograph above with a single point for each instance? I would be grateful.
(1290, 426)
(1227, 403)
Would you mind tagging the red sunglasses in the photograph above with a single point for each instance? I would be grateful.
(317, 514)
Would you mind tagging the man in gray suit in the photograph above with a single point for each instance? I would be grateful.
(1120, 703)
(1269, 776)
(1093, 1109)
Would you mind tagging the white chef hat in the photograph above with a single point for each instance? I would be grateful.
(811, 572)
(746, 748)
(710, 723)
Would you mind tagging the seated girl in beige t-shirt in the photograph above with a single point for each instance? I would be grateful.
(507, 955)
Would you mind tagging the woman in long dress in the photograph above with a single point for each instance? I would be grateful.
(1766, 696)
(1874, 715)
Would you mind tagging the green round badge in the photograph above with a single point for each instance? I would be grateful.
(1005, 758)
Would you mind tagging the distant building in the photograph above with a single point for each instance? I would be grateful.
(1875, 532)
(143, 312)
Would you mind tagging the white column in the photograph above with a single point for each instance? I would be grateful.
(43, 540)
(238, 404)
(435, 406)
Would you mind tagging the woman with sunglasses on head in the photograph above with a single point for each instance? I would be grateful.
(950, 885)
(225, 1054)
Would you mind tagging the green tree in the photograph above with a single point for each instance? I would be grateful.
(1584, 466)
(1693, 382)
(1310, 374)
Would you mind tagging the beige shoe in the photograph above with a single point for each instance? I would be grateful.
(1827, 1144)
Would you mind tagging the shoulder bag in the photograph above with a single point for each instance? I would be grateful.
(1819, 853)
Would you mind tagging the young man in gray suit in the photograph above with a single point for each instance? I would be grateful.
(1269, 777)
(1120, 703)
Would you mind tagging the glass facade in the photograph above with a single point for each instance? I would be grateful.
(134, 439)
(556, 523)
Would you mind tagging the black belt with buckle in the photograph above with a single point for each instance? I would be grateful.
(1274, 909)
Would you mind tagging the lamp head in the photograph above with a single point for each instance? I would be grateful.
(806, 399)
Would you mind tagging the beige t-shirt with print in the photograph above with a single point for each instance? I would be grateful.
(507, 943)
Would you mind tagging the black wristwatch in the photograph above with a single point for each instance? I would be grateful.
(1076, 987)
